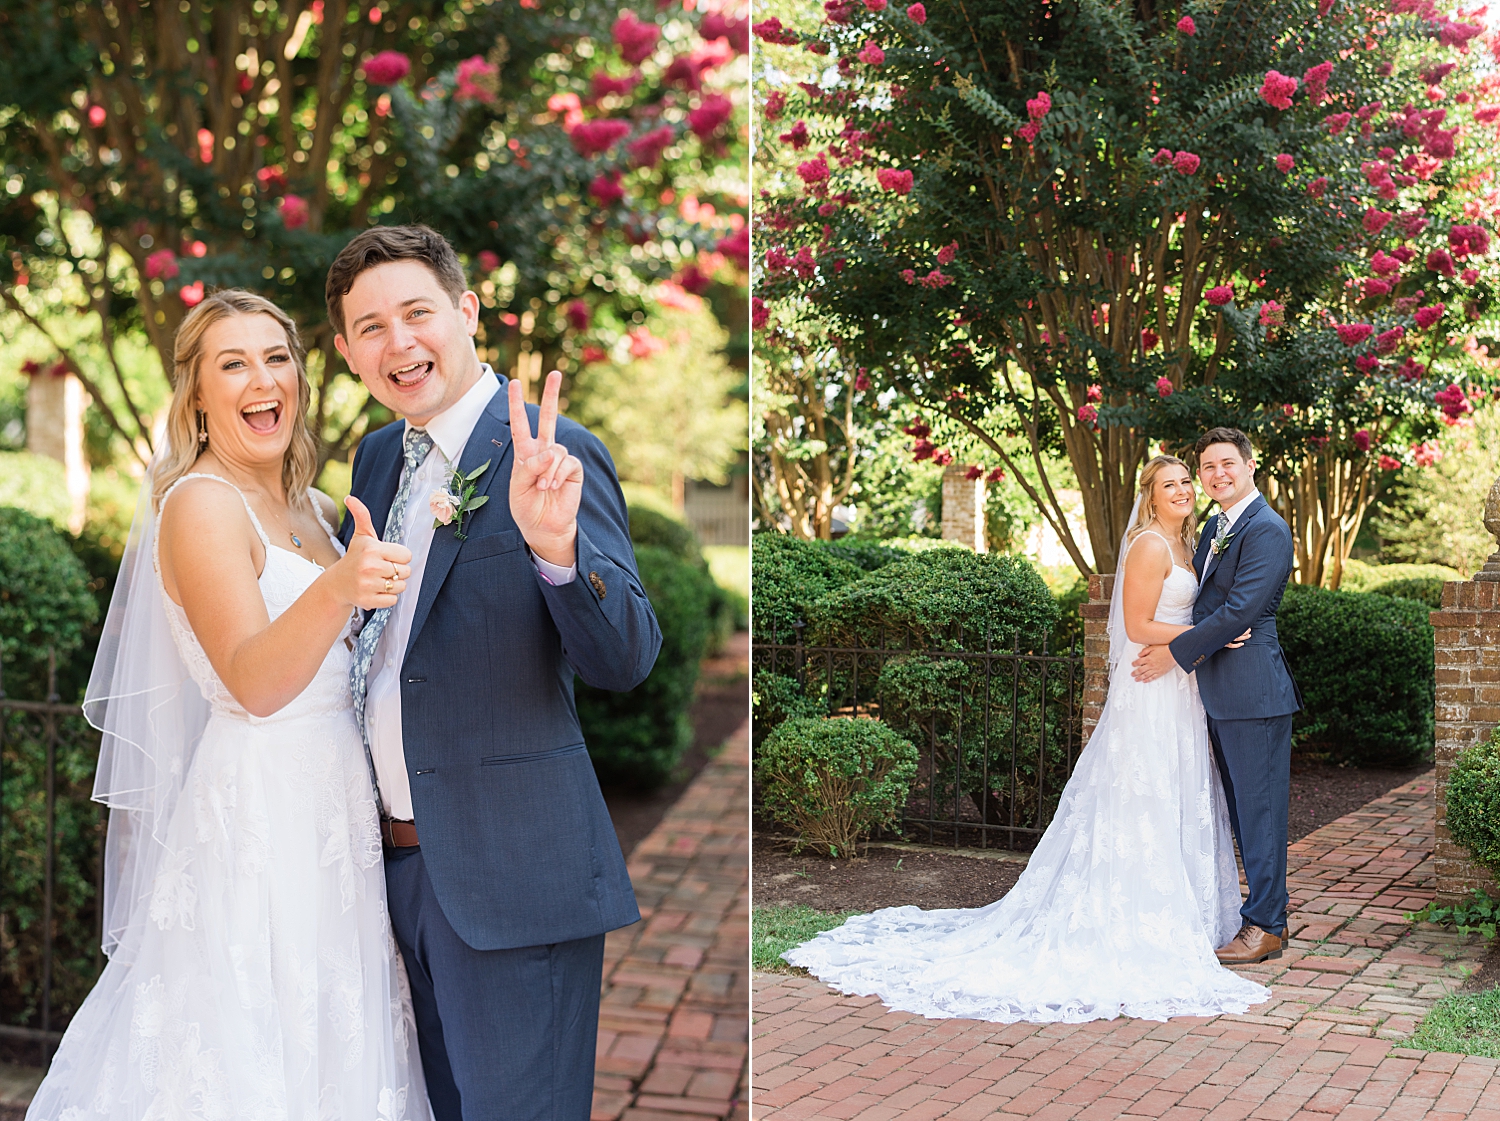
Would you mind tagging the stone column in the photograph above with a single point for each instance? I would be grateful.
(963, 508)
(1467, 630)
(54, 428)
(1096, 650)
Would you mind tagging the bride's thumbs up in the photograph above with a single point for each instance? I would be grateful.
(372, 573)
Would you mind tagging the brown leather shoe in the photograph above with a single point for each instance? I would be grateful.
(1250, 945)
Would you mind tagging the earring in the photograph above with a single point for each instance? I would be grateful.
(202, 428)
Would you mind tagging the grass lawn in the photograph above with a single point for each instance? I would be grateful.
(774, 930)
(1464, 1023)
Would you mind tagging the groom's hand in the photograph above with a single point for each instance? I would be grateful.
(1152, 663)
(546, 483)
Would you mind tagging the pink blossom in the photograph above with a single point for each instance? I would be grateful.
(646, 150)
(592, 354)
(1028, 131)
(1426, 453)
(759, 313)
(161, 265)
(861, 380)
(838, 11)
(875, 5)
(1088, 414)
(387, 68)
(1439, 260)
(917, 13)
(442, 506)
(975, 473)
(1374, 286)
(643, 344)
(1352, 334)
(1187, 26)
(1149, 339)
(1367, 364)
(1388, 341)
(767, 31)
(1412, 223)
(1336, 122)
(909, 275)
(1376, 220)
(996, 475)
(736, 247)
(1383, 264)
(1094, 393)
(593, 137)
(935, 279)
(606, 189)
(1277, 89)
(1467, 239)
(1486, 114)
(477, 80)
(577, 313)
(1469, 276)
(1164, 387)
(1453, 34)
(946, 254)
(1427, 316)
(1185, 162)
(1315, 82)
(488, 260)
(1272, 314)
(294, 211)
(1163, 157)
(872, 54)
(1362, 439)
(942, 457)
(191, 294)
(1039, 106)
(1220, 295)
(775, 103)
(637, 40)
(1324, 7)
(923, 449)
(97, 115)
(891, 179)
(1285, 163)
(1440, 143)
(796, 136)
(711, 113)
(1388, 463)
(1318, 186)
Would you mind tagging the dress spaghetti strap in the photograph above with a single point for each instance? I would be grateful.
(264, 540)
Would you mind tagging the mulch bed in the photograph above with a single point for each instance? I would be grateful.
(1320, 794)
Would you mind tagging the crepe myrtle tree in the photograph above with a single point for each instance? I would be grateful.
(577, 154)
(1036, 221)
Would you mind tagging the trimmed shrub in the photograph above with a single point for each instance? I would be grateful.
(1423, 589)
(636, 739)
(946, 598)
(1365, 667)
(788, 574)
(651, 527)
(36, 484)
(777, 697)
(833, 781)
(1068, 634)
(865, 555)
(1362, 577)
(45, 601)
(1474, 802)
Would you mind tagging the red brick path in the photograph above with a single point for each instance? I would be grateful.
(1355, 980)
(673, 1020)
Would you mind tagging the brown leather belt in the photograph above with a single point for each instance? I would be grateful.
(398, 834)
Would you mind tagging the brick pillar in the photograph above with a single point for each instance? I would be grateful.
(963, 508)
(54, 428)
(1096, 650)
(1468, 707)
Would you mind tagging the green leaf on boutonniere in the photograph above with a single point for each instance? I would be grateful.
(480, 470)
(478, 502)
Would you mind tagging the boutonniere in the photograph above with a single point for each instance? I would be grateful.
(457, 499)
(1221, 543)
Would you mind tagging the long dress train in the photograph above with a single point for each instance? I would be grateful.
(266, 984)
(1121, 905)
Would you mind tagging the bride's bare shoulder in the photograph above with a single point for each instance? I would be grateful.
(1148, 552)
(204, 517)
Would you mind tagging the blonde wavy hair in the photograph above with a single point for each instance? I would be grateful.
(1147, 512)
(182, 448)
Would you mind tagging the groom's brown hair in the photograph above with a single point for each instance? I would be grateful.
(1233, 436)
(382, 244)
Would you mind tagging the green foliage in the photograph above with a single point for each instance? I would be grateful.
(36, 483)
(1479, 915)
(948, 598)
(1474, 802)
(652, 527)
(789, 575)
(777, 697)
(1365, 667)
(775, 930)
(1423, 589)
(1462, 1024)
(1068, 634)
(833, 781)
(45, 601)
(636, 739)
(864, 554)
(1362, 577)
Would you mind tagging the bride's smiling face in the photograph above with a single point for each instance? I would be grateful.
(247, 389)
(1173, 495)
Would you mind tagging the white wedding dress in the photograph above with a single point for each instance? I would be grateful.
(1120, 907)
(266, 985)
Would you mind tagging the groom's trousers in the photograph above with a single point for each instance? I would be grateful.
(1255, 762)
(505, 1035)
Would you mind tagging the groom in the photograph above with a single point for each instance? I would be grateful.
(1243, 562)
(502, 868)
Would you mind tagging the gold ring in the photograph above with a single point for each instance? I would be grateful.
(387, 585)
(395, 572)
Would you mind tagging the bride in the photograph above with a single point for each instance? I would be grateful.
(252, 972)
(1133, 884)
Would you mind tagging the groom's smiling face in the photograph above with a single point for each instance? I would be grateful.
(1226, 475)
(408, 340)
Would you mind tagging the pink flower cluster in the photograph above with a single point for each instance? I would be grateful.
(1376, 220)
(387, 68)
(594, 137)
(1285, 163)
(1352, 334)
(1315, 82)
(1277, 89)
(1220, 295)
(1426, 454)
(1453, 401)
(710, 115)
(161, 265)
(1467, 239)
(1388, 341)
(1362, 439)
(1164, 387)
(872, 55)
(771, 31)
(637, 40)
(1272, 314)
(477, 80)
(1187, 26)
(1427, 316)
(646, 150)
(892, 179)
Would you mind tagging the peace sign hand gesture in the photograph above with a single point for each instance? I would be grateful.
(546, 483)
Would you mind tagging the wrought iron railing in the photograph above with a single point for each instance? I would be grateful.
(50, 866)
(999, 725)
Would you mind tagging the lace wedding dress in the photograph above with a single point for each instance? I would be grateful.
(1120, 907)
(266, 985)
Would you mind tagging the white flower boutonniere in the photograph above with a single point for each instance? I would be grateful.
(457, 500)
(1221, 543)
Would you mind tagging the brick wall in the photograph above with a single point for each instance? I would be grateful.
(1096, 650)
(1468, 707)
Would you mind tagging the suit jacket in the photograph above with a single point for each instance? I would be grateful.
(1243, 588)
(515, 835)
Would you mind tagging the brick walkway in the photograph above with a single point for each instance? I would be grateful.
(673, 1020)
(1354, 981)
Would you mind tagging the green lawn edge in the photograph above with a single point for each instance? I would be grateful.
(774, 930)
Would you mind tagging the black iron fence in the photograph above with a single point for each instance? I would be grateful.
(51, 836)
(999, 725)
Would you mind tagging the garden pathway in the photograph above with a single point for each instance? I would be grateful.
(672, 1021)
(1354, 981)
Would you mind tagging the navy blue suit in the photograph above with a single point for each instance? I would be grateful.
(1248, 694)
(501, 913)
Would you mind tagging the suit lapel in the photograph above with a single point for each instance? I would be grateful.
(384, 479)
(492, 428)
(1200, 555)
(1256, 506)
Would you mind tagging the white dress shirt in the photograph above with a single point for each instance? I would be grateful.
(450, 431)
(1238, 508)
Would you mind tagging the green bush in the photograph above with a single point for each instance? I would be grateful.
(37, 484)
(777, 697)
(1423, 589)
(948, 598)
(1365, 666)
(833, 781)
(1362, 577)
(1474, 801)
(651, 527)
(636, 739)
(45, 602)
(788, 574)
(865, 555)
(1068, 634)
